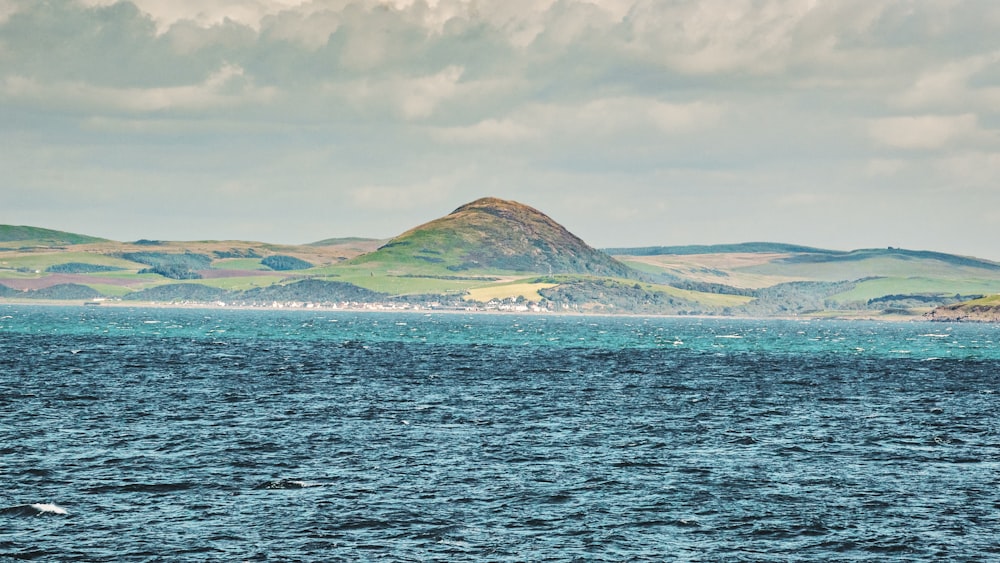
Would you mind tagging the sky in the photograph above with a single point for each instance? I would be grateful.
(841, 125)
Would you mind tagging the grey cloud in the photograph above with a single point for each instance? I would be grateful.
(63, 41)
(675, 52)
(683, 105)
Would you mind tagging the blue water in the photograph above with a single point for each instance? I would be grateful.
(203, 435)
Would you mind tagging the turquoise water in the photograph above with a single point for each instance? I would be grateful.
(194, 435)
(920, 340)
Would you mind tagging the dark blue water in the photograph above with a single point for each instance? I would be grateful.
(202, 435)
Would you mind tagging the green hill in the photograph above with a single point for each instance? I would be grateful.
(339, 241)
(22, 236)
(790, 279)
(742, 247)
(891, 253)
(503, 255)
(492, 235)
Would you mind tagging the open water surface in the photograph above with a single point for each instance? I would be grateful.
(203, 435)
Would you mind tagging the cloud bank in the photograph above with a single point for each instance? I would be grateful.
(838, 124)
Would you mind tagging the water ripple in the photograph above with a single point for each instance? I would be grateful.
(492, 446)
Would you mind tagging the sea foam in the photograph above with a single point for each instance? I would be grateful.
(34, 509)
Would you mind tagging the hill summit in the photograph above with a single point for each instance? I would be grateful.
(498, 235)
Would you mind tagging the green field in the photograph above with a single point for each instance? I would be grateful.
(239, 283)
(489, 250)
(527, 290)
(403, 284)
(716, 269)
(239, 264)
(989, 300)
(875, 288)
(23, 236)
(42, 260)
(703, 298)
(882, 266)
(109, 290)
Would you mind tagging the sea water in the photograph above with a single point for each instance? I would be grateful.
(130, 434)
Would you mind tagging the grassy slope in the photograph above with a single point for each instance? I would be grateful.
(985, 309)
(897, 271)
(404, 277)
(725, 269)
(492, 236)
(42, 260)
(103, 252)
(239, 264)
(401, 279)
(421, 266)
(528, 288)
(20, 235)
(109, 290)
(358, 245)
(511, 290)
(897, 275)
(707, 299)
(888, 266)
(236, 283)
(987, 301)
(738, 248)
(871, 289)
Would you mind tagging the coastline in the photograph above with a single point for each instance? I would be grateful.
(844, 316)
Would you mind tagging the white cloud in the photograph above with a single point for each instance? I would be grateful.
(682, 118)
(223, 88)
(603, 117)
(806, 199)
(419, 97)
(207, 12)
(884, 166)
(721, 36)
(553, 127)
(974, 171)
(410, 98)
(309, 28)
(8, 8)
(925, 131)
(947, 87)
(487, 131)
(418, 193)
(610, 101)
(187, 38)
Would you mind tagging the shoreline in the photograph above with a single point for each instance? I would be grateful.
(843, 316)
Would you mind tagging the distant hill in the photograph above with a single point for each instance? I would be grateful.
(346, 247)
(21, 236)
(896, 253)
(804, 254)
(691, 249)
(492, 234)
(341, 241)
(494, 254)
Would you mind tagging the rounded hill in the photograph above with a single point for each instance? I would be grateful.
(492, 234)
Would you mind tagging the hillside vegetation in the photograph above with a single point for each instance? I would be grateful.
(16, 236)
(498, 254)
(493, 235)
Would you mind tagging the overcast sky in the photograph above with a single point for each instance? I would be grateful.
(846, 124)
